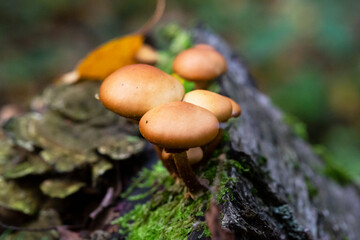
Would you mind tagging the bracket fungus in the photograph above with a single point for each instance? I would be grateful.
(178, 126)
(199, 64)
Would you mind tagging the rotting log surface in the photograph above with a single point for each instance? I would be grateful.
(271, 200)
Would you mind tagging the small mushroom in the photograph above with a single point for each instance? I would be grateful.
(204, 46)
(222, 107)
(178, 126)
(199, 64)
(236, 109)
(219, 105)
(146, 54)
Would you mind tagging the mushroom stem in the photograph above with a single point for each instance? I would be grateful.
(186, 173)
(168, 163)
(211, 147)
(202, 84)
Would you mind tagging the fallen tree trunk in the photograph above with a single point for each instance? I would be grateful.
(292, 199)
(264, 181)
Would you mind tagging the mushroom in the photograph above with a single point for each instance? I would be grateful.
(222, 107)
(194, 155)
(199, 64)
(146, 54)
(236, 109)
(133, 90)
(204, 46)
(178, 126)
(219, 105)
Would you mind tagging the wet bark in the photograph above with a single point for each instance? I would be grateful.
(281, 195)
(272, 200)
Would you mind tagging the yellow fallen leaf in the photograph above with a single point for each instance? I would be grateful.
(178, 78)
(110, 56)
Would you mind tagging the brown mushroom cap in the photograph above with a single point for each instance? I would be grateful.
(135, 89)
(219, 105)
(165, 155)
(204, 46)
(179, 125)
(236, 109)
(146, 54)
(195, 155)
(199, 64)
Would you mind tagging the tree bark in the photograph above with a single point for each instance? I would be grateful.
(272, 200)
(274, 189)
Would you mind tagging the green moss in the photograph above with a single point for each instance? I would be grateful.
(254, 191)
(225, 180)
(173, 40)
(172, 220)
(238, 166)
(224, 190)
(214, 87)
(5, 235)
(189, 86)
(226, 136)
(209, 171)
(297, 126)
(261, 160)
(332, 168)
(168, 215)
(312, 190)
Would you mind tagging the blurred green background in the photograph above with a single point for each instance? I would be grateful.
(304, 54)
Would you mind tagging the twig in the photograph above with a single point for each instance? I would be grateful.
(159, 11)
(44, 229)
(107, 200)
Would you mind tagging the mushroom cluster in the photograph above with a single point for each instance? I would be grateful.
(178, 124)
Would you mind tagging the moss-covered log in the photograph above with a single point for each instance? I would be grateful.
(267, 182)
(285, 194)
(263, 181)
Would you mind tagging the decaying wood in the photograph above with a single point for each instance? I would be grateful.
(270, 200)
(281, 207)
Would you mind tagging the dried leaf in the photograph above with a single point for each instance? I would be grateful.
(107, 58)
(14, 197)
(60, 188)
